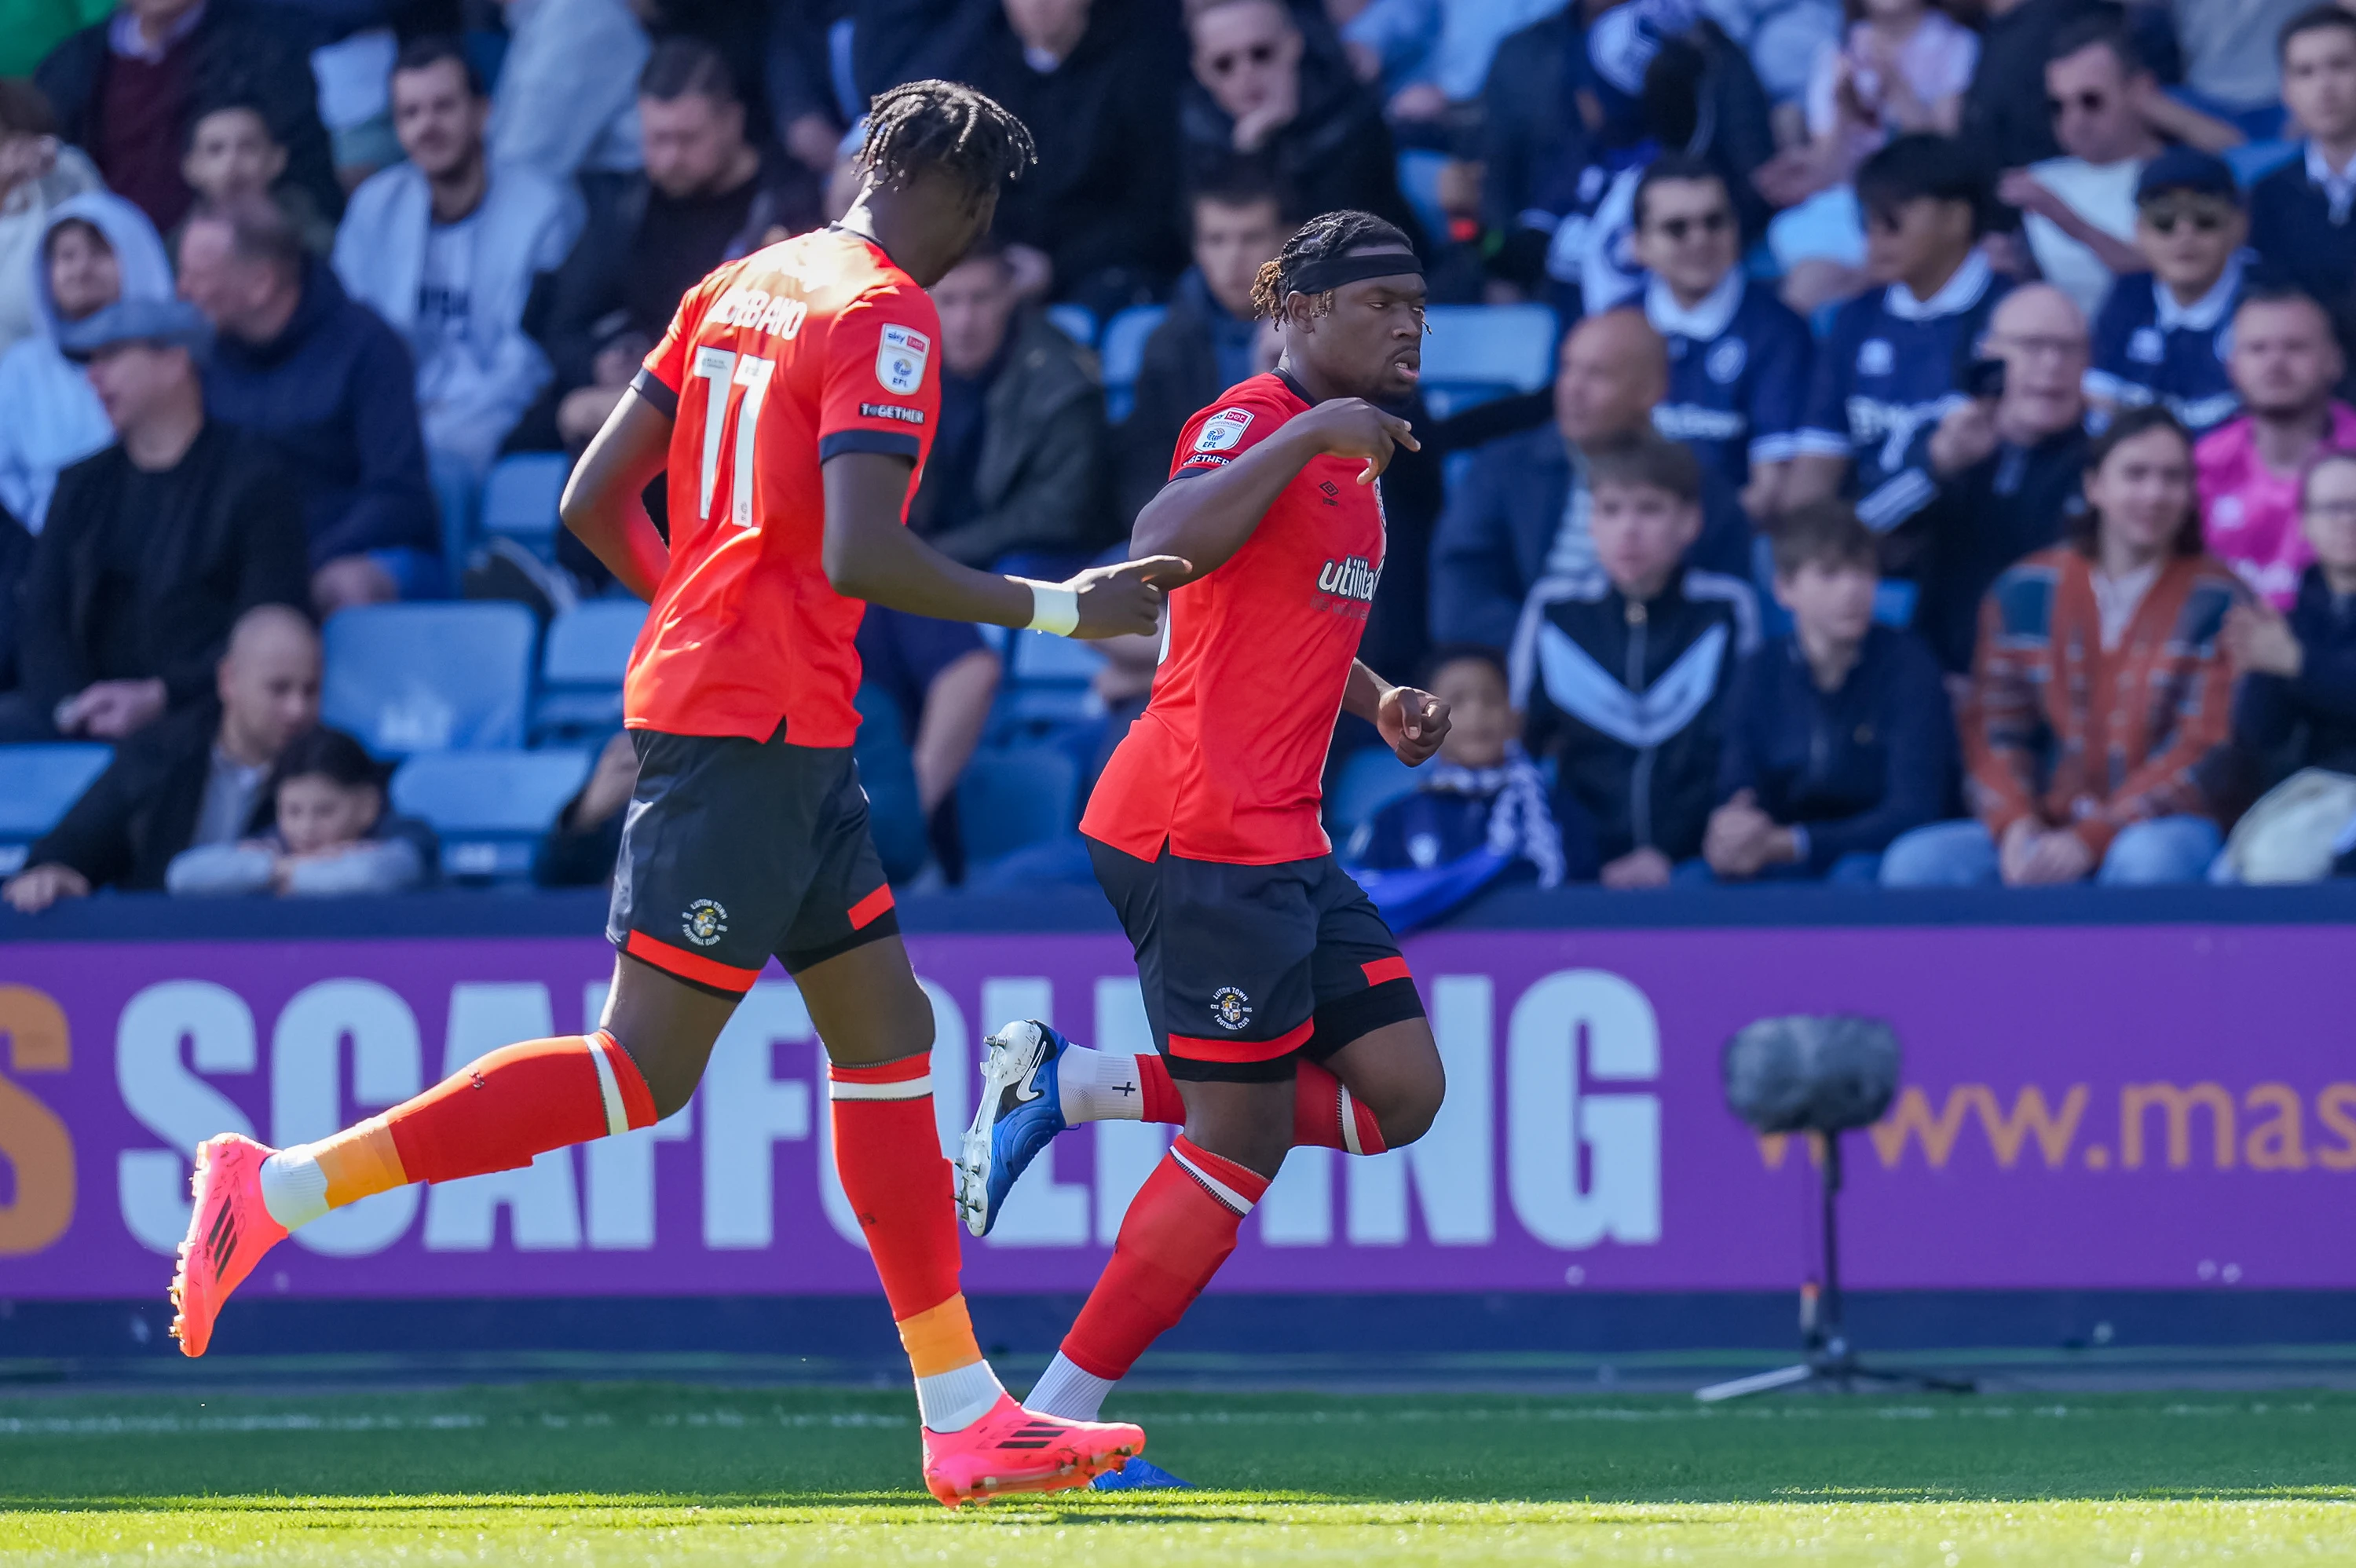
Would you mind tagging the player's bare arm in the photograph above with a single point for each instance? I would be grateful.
(1413, 723)
(868, 555)
(602, 505)
(1206, 518)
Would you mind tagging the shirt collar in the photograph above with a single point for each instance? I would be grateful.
(2338, 185)
(1705, 321)
(123, 35)
(1959, 292)
(2203, 313)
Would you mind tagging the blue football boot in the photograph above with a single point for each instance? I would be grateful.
(1137, 1476)
(1021, 1113)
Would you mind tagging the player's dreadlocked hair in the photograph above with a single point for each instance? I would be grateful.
(948, 127)
(1335, 234)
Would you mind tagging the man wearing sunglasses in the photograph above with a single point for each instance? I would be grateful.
(2165, 337)
(1738, 357)
(2078, 211)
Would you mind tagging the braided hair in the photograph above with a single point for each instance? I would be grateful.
(1335, 234)
(948, 127)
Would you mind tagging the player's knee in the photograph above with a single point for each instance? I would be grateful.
(670, 1083)
(1409, 1115)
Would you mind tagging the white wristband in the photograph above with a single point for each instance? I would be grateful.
(1054, 610)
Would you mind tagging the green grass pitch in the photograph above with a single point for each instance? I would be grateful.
(575, 1474)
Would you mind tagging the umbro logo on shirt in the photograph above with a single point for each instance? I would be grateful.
(1331, 491)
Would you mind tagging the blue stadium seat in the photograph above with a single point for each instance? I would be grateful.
(1077, 322)
(1123, 353)
(37, 784)
(1370, 779)
(582, 666)
(1047, 685)
(1015, 795)
(428, 678)
(455, 494)
(520, 497)
(1479, 352)
(490, 808)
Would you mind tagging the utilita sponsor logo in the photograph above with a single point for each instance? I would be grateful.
(1350, 579)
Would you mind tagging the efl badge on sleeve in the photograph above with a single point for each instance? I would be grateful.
(900, 359)
(1223, 430)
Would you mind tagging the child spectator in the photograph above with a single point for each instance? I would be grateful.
(1478, 810)
(331, 836)
(2296, 712)
(1621, 671)
(2095, 735)
(2285, 361)
(96, 249)
(2299, 213)
(38, 172)
(1838, 737)
(2161, 337)
(1895, 356)
(1738, 357)
(232, 155)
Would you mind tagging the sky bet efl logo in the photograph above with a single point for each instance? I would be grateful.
(1350, 579)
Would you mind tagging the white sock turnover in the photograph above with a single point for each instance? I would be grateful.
(1098, 1086)
(294, 1188)
(1065, 1391)
(951, 1402)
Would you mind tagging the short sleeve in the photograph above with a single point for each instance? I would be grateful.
(882, 389)
(1223, 432)
(663, 374)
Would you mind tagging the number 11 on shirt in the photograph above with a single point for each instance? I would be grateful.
(723, 367)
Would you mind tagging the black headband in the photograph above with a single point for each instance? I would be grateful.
(1332, 271)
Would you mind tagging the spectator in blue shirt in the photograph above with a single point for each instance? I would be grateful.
(2161, 336)
(2299, 214)
(1838, 736)
(1738, 357)
(1894, 362)
(302, 362)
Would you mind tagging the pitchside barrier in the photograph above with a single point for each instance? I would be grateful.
(2102, 1092)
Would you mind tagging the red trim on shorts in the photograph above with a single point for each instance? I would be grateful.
(1391, 968)
(1194, 1049)
(689, 965)
(865, 912)
(901, 1072)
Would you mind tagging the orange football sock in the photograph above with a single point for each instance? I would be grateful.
(887, 1152)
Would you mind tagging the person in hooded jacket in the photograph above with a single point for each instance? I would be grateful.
(96, 248)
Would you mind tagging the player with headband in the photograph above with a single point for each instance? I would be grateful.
(1283, 1012)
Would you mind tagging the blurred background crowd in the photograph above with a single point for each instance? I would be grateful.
(1865, 441)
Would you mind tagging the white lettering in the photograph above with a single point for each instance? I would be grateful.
(747, 1112)
(172, 1101)
(1549, 1122)
(306, 1100)
(543, 1201)
(1453, 1164)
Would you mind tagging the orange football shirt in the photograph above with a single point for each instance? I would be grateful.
(817, 346)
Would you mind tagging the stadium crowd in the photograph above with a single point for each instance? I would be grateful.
(1944, 479)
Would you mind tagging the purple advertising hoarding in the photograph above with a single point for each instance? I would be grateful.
(2166, 1107)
